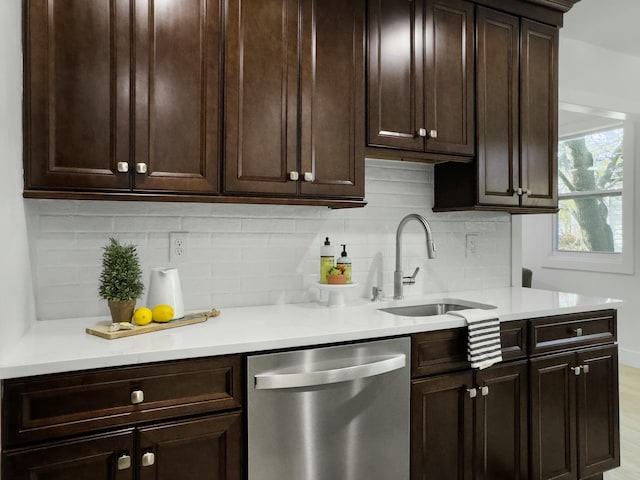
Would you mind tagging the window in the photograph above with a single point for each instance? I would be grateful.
(590, 179)
(593, 229)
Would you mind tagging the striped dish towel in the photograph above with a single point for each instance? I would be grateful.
(483, 347)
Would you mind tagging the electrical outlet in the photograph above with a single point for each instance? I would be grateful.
(178, 247)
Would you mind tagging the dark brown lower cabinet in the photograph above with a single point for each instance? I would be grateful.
(204, 449)
(501, 420)
(575, 414)
(207, 448)
(89, 458)
(441, 427)
(470, 425)
(174, 420)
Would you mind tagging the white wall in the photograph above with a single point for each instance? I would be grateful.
(254, 255)
(605, 80)
(16, 298)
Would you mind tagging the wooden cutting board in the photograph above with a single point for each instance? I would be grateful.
(103, 330)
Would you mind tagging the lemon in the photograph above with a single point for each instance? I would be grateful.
(142, 316)
(162, 313)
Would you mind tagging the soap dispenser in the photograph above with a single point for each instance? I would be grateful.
(326, 260)
(345, 262)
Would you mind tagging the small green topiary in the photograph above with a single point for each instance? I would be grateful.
(121, 277)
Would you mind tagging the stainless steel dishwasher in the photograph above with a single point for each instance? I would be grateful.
(333, 413)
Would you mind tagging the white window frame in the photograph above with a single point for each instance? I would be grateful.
(622, 262)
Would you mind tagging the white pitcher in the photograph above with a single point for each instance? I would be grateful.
(164, 288)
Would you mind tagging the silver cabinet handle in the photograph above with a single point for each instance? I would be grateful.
(324, 377)
(585, 368)
(519, 191)
(137, 396)
(124, 462)
(422, 132)
(308, 177)
(141, 168)
(148, 459)
(484, 390)
(123, 167)
(576, 332)
(576, 370)
(433, 134)
(294, 176)
(473, 392)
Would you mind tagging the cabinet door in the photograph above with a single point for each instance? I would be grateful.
(395, 103)
(261, 96)
(598, 415)
(332, 89)
(553, 418)
(77, 94)
(539, 114)
(498, 36)
(441, 427)
(177, 70)
(94, 458)
(449, 77)
(206, 448)
(501, 416)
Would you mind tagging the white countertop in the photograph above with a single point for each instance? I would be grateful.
(62, 345)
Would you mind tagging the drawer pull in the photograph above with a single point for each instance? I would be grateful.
(585, 368)
(473, 392)
(576, 370)
(484, 390)
(137, 396)
(124, 462)
(576, 332)
(148, 459)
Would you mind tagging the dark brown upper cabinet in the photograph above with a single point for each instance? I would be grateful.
(88, 66)
(517, 111)
(294, 98)
(517, 107)
(177, 96)
(77, 94)
(421, 76)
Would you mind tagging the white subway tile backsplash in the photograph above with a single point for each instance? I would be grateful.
(258, 225)
(241, 255)
(147, 224)
(108, 208)
(75, 223)
(57, 275)
(211, 224)
(178, 209)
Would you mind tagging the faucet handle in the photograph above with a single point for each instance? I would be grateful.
(412, 279)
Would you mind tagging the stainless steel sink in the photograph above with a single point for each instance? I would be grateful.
(435, 308)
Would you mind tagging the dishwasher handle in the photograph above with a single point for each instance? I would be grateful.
(325, 377)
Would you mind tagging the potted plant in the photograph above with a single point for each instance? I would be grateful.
(121, 279)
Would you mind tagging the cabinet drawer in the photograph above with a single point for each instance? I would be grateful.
(39, 408)
(553, 334)
(446, 350)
